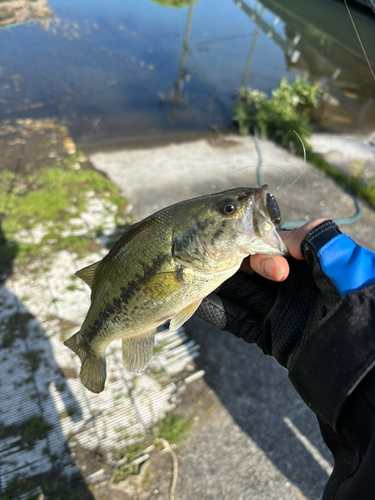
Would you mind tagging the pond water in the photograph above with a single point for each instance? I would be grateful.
(120, 70)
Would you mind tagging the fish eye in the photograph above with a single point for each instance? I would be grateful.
(227, 207)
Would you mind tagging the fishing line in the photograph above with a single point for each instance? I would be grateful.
(304, 164)
(260, 163)
(298, 223)
(372, 5)
(285, 176)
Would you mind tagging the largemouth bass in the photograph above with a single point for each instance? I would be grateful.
(162, 267)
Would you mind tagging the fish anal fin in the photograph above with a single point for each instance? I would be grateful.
(87, 274)
(74, 344)
(137, 351)
(161, 285)
(181, 317)
(93, 373)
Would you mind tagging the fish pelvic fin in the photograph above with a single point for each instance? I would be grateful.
(181, 317)
(93, 373)
(137, 351)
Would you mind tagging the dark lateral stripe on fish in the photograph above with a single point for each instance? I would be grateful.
(119, 303)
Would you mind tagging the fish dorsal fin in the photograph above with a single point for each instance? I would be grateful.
(87, 273)
(180, 318)
(137, 351)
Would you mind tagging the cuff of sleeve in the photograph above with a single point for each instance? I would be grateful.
(337, 356)
(349, 266)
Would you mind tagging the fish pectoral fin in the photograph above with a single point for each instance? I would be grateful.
(161, 285)
(87, 273)
(137, 351)
(180, 318)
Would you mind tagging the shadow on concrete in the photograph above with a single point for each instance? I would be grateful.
(33, 449)
(258, 395)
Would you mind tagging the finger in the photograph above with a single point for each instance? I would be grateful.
(275, 267)
(293, 239)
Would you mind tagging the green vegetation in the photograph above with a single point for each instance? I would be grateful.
(278, 116)
(288, 110)
(72, 288)
(37, 428)
(29, 431)
(16, 326)
(49, 198)
(128, 454)
(52, 485)
(8, 251)
(33, 358)
(172, 3)
(173, 429)
(131, 451)
(355, 183)
(69, 412)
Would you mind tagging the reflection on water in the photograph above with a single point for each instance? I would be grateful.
(132, 69)
(325, 48)
(22, 11)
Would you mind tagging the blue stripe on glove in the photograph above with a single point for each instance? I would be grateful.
(349, 266)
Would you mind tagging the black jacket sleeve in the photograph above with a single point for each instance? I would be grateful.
(334, 374)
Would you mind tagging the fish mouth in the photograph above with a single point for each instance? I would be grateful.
(265, 207)
(262, 218)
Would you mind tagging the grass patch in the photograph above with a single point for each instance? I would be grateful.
(53, 486)
(49, 198)
(37, 428)
(172, 3)
(173, 429)
(72, 288)
(363, 188)
(69, 412)
(29, 431)
(128, 454)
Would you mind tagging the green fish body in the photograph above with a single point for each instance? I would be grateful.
(162, 267)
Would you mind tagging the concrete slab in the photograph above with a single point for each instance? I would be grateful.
(352, 155)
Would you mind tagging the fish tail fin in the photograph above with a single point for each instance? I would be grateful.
(137, 351)
(74, 344)
(93, 370)
(93, 373)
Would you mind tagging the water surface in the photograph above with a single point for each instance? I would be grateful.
(122, 70)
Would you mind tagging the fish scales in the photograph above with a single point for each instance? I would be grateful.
(162, 267)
